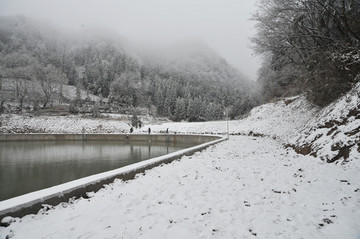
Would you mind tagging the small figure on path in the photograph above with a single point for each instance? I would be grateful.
(131, 129)
(167, 130)
(140, 125)
(149, 130)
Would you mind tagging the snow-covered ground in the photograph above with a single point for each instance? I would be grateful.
(242, 188)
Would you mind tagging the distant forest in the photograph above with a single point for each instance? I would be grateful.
(38, 63)
(309, 46)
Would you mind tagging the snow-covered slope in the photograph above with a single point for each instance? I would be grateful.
(334, 133)
(281, 120)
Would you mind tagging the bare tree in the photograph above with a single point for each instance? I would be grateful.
(2, 75)
(50, 80)
(17, 68)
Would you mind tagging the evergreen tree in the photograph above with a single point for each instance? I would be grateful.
(180, 109)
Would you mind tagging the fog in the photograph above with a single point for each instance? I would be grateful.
(224, 25)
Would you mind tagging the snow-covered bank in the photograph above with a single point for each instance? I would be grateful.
(31, 202)
(281, 120)
(335, 132)
(241, 188)
(60, 124)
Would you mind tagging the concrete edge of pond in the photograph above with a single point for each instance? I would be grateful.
(195, 138)
(32, 202)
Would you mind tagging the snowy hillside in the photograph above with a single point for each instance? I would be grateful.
(281, 120)
(335, 131)
(197, 61)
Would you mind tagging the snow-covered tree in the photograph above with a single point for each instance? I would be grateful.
(17, 68)
(49, 78)
(304, 41)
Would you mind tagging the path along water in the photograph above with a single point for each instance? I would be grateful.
(27, 166)
(242, 188)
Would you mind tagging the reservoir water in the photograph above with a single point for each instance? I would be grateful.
(27, 166)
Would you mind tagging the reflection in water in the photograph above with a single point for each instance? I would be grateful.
(30, 166)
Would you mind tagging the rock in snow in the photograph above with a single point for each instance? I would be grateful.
(6, 221)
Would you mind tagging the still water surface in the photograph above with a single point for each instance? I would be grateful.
(33, 165)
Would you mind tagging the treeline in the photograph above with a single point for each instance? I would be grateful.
(310, 46)
(36, 64)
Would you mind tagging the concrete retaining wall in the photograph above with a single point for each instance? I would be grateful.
(195, 139)
(31, 203)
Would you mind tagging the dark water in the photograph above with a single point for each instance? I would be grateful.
(29, 166)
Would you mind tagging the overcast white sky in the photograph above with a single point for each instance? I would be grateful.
(223, 24)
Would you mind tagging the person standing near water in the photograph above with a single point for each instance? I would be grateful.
(149, 130)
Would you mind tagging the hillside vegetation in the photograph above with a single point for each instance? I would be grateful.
(310, 47)
(38, 63)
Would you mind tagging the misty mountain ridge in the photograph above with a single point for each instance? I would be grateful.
(167, 81)
(25, 29)
(196, 58)
(188, 56)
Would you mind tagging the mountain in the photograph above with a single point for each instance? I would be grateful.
(187, 81)
(199, 62)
